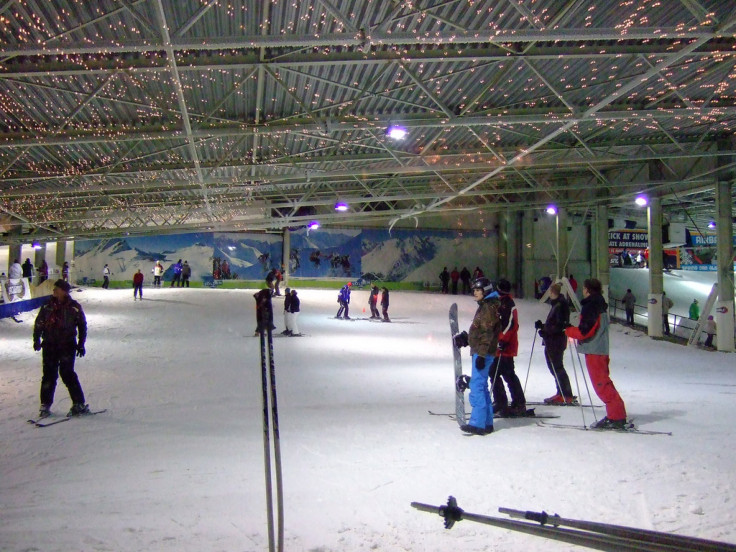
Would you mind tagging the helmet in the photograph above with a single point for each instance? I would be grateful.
(483, 284)
(504, 286)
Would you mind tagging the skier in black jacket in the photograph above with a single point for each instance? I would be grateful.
(552, 332)
(384, 304)
(294, 308)
(60, 332)
(373, 301)
(287, 311)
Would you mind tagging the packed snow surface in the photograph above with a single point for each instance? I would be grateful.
(176, 462)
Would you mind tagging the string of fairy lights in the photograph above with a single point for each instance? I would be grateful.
(91, 132)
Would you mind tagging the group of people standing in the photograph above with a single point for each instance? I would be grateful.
(343, 299)
(493, 341)
(456, 277)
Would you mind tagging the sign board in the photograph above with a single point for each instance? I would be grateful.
(15, 289)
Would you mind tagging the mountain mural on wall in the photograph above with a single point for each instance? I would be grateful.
(401, 255)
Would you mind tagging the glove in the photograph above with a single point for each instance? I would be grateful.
(541, 333)
(36, 344)
(462, 383)
(501, 346)
(460, 340)
(80, 351)
(539, 325)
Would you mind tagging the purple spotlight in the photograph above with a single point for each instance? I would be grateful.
(341, 206)
(641, 200)
(712, 224)
(551, 210)
(396, 132)
(313, 225)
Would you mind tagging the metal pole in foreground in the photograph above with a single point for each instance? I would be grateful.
(656, 537)
(276, 445)
(451, 513)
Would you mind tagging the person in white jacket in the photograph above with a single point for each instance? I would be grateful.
(16, 270)
(709, 329)
(158, 271)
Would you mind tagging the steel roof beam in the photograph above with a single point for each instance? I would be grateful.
(493, 36)
(348, 124)
(179, 90)
(588, 114)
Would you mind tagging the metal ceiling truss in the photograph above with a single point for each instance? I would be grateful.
(181, 126)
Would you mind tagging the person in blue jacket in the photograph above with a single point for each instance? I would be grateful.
(177, 274)
(343, 298)
(482, 337)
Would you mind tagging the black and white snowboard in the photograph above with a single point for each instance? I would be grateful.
(458, 362)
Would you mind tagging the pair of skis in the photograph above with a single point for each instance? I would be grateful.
(41, 422)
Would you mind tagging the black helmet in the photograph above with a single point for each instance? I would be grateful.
(483, 284)
(504, 286)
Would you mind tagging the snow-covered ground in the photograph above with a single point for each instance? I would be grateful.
(176, 463)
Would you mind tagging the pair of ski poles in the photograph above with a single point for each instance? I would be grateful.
(598, 536)
(557, 380)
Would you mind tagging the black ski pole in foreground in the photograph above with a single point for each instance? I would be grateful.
(680, 541)
(276, 445)
(610, 538)
(264, 321)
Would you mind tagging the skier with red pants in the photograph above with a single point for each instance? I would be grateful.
(592, 336)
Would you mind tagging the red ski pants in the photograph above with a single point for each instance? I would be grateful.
(604, 388)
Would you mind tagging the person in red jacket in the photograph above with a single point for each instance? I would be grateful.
(138, 284)
(454, 278)
(592, 336)
(507, 349)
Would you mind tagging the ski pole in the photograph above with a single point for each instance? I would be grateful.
(530, 362)
(276, 445)
(657, 537)
(608, 543)
(266, 443)
(585, 381)
(554, 372)
(577, 386)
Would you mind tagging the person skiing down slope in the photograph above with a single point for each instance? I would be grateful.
(483, 340)
(60, 332)
(384, 304)
(343, 298)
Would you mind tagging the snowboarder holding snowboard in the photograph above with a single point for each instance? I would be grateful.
(554, 340)
(592, 336)
(60, 332)
(482, 337)
(508, 346)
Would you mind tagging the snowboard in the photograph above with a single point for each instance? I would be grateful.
(458, 363)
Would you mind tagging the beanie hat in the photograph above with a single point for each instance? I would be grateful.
(503, 286)
(61, 284)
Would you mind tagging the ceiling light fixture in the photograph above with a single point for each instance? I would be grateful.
(341, 206)
(396, 132)
(641, 200)
(551, 210)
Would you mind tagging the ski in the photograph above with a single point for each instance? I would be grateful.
(458, 363)
(40, 422)
(630, 428)
(497, 416)
(573, 404)
(529, 413)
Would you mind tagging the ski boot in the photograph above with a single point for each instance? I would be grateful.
(606, 423)
(473, 430)
(44, 411)
(78, 409)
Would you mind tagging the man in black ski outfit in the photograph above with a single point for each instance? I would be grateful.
(60, 332)
(552, 332)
